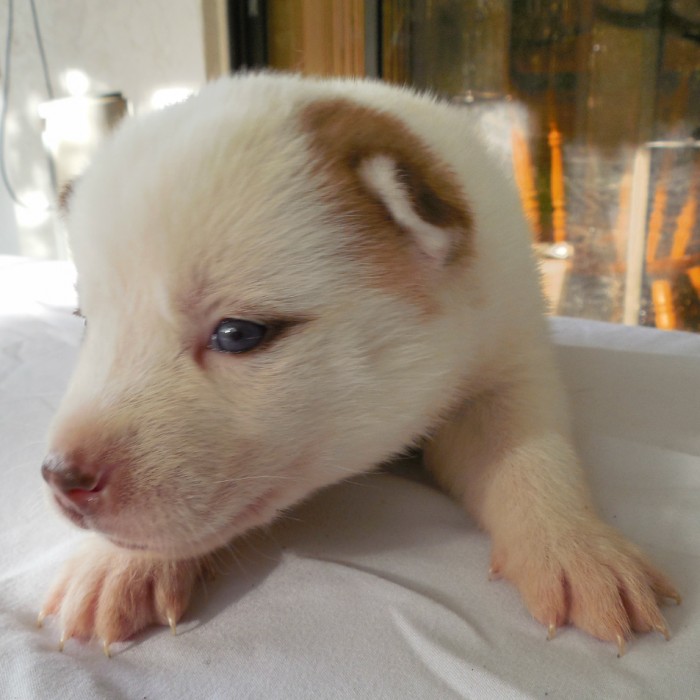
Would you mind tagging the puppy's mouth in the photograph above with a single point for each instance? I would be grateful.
(259, 511)
(74, 516)
(124, 544)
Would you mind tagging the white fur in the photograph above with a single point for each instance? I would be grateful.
(380, 173)
(210, 210)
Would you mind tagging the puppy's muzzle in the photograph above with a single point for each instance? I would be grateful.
(76, 486)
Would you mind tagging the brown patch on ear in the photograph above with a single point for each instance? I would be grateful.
(344, 135)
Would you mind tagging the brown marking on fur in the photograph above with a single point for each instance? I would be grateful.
(343, 136)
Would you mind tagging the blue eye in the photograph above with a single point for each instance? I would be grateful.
(234, 335)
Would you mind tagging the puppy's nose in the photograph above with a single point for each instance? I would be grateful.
(73, 480)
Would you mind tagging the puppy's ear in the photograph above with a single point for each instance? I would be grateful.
(388, 183)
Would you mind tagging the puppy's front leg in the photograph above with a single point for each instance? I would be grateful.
(108, 593)
(507, 455)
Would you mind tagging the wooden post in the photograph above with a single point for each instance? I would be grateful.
(662, 297)
(557, 184)
(525, 179)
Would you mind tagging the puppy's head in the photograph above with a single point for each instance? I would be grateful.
(266, 284)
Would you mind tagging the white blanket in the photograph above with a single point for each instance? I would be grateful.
(375, 588)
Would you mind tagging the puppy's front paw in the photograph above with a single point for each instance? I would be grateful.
(591, 577)
(109, 593)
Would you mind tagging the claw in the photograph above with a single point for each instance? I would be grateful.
(40, 619)
(106, 649)
(62, 642)
(663, 630)
(664, 598)
(172, 623)
(621, 646)
(551, 631)
(494, 574)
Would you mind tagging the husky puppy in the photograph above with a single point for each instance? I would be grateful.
(288, 281)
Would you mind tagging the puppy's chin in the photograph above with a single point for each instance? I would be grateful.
(261, 511)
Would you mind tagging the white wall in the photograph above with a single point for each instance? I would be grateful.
(136, 47)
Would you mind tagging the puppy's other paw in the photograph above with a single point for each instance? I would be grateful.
(591, 577)
(108, 593)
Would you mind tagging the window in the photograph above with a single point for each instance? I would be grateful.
(596, 103)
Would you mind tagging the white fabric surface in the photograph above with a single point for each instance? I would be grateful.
(375, 588)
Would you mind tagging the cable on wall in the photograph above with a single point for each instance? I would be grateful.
(6, 93)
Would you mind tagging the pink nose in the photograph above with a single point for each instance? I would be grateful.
(75, 484)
